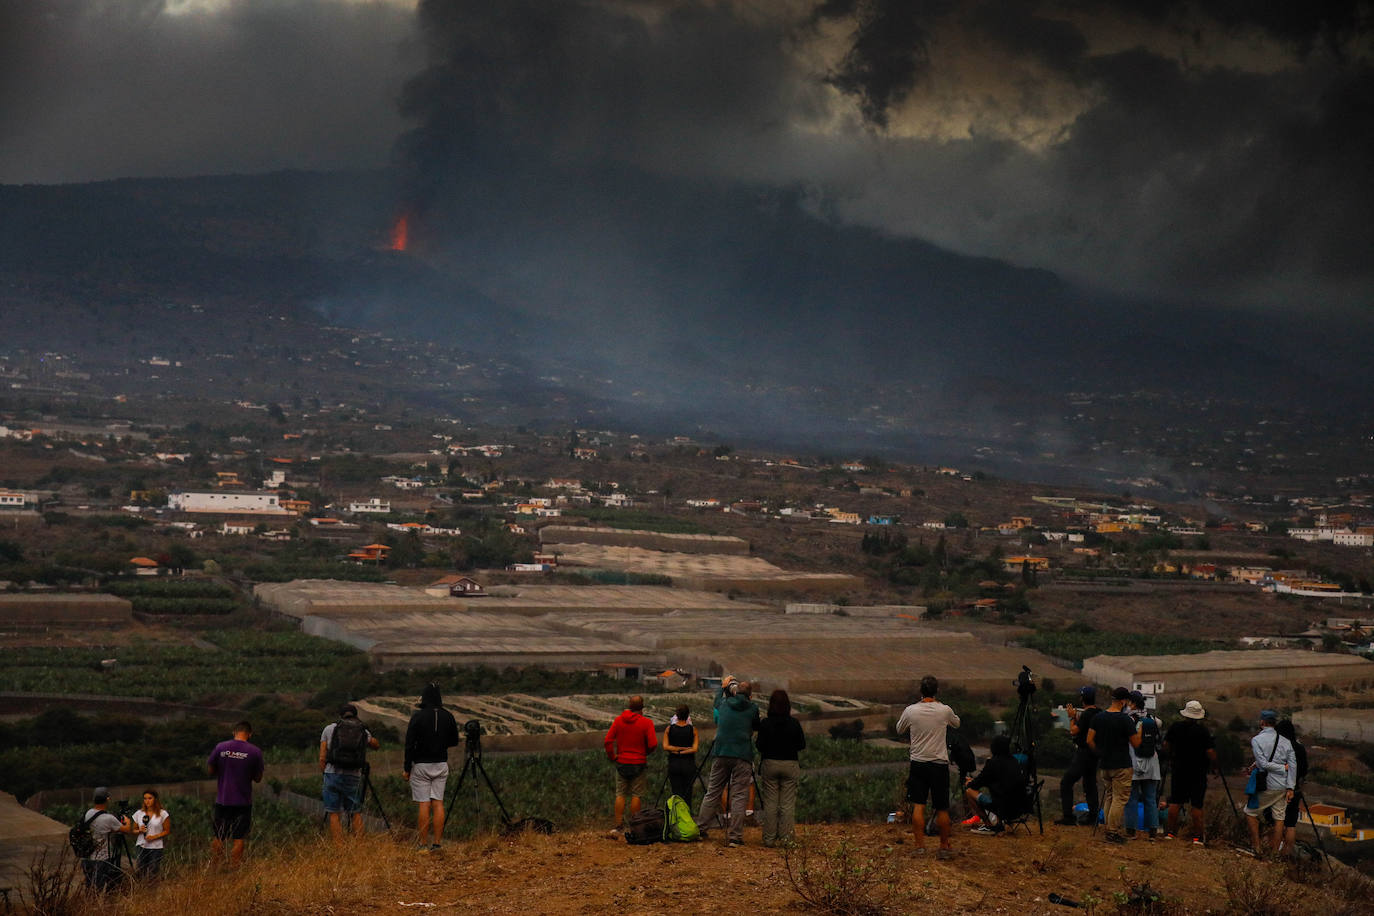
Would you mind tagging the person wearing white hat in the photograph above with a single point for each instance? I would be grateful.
(1191, 747)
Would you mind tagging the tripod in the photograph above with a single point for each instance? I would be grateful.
(696, 777)
(472, 764)
(370, 790)
(366, 790)
(1022, 735)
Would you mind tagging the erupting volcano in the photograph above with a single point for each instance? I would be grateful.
(400, 233)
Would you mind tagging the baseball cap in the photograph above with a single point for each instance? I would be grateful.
(101, 795)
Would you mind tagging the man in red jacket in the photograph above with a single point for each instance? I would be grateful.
(629, 742)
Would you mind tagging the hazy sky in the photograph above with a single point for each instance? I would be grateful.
(1216, 149)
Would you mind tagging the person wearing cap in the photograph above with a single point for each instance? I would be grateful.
(343, 784)
(431, 732)
(1111, 737)
(99, 868)
(1084, 763)
(1144, 770)
(1192, 752)
(1276, 763)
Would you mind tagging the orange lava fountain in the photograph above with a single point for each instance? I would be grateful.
(400, 233)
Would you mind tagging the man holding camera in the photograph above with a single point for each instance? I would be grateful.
(928, 775)
(343, 758)
(1084, 763)
(431, 732)
(99, 867)
(737, 718)
(629, 742)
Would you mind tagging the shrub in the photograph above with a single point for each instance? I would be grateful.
(840, 879)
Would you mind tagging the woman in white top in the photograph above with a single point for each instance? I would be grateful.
(154, 823)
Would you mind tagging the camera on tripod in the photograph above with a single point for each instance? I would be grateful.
(472, 734)
(1024, 682)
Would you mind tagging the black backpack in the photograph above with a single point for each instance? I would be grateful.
(1149, 738)
(348, 745)
(645, 827)
(960, 754)
(81, 838)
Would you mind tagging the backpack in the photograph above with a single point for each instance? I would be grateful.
(960, 754)
(645, 827)
(678, 824)
(1149, 738)
(80, 837)
(348, 745)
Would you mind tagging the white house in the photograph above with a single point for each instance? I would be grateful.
(227, 503)
(376, 505)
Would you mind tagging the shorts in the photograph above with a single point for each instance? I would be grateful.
(630, 786)
(928, 779)
(343, 793)
(427, 781)
(231, 822)
(1188, 789)
(984, 800)
(1275, 801)
(1290, 816)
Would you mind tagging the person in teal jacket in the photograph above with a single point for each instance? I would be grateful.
(737, 718)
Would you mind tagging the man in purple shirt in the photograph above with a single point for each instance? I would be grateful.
(236, 765)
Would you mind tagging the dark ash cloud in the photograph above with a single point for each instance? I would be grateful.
(109, 88)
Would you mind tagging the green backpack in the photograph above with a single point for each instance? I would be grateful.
(678, 824)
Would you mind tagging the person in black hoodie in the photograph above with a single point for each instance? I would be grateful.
(432, 731)
(779, 739)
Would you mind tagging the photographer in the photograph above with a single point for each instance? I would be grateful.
(99, 867)
(1084, 763)
(629, 742)
(431, 732)
(737, 718)
(1005, 784)
(343, 756)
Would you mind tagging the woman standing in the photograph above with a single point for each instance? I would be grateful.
(154, 824)
(779, 740)
(680, 743)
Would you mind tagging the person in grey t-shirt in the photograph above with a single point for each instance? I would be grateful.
(928, 775)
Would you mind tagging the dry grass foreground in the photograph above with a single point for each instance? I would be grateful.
(585, 872)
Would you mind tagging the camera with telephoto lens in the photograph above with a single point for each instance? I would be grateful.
(1025, 682)
(732, 688)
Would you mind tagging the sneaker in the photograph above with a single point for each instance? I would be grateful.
(614, 832)
(435, 847)
(423, 850)
(734, 844)
(971, 821)
(1197, 841)
(985, 831)
(1170, 836)
(1112, 837)
(993, 819)
(1130, 833)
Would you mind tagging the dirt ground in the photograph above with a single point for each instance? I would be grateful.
(587, 872)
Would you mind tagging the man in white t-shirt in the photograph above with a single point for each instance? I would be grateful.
(928, 777)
